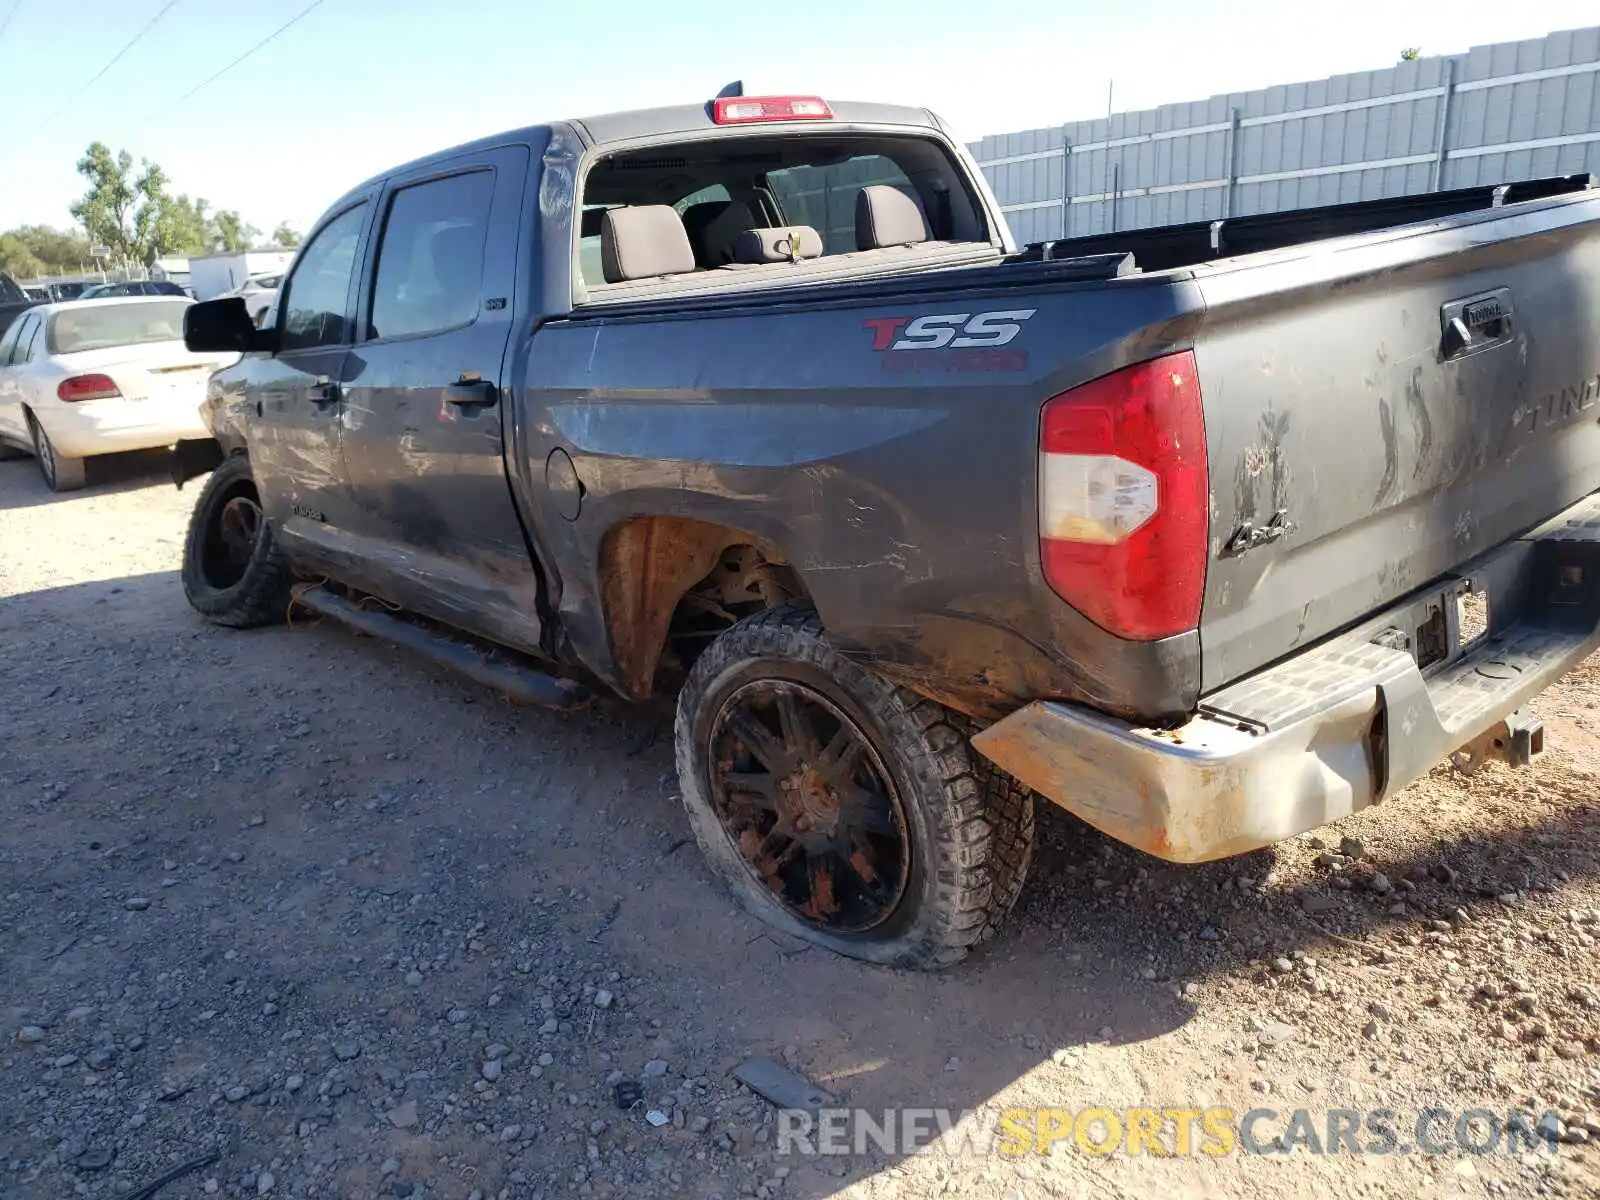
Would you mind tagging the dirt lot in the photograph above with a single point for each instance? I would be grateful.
(357, 928)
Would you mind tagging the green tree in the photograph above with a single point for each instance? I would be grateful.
(16, 259)
(189, 225)
(1411, 54)
(286, 235)
(229, 231)
(58, 251)
(132, 215)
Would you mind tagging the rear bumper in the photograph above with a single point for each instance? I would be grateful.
(1334, 729)
(112, 426)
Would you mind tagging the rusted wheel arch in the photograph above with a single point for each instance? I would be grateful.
(648, 565)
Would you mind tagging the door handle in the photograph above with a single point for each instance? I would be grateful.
(471, 392)
(1476, 323)
(324, 392)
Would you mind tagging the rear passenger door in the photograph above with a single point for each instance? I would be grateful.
(424, 437)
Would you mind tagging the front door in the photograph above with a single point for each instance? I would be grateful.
(294, 434)
(423, 439)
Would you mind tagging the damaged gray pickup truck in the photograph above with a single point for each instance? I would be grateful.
(1209, 534)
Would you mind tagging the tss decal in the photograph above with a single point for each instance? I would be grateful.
(958, 331)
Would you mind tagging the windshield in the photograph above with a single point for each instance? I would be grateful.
(79, 329)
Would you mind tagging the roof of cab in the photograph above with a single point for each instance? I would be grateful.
(670, 121)
(696, 118)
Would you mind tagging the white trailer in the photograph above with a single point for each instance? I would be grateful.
(213, 275)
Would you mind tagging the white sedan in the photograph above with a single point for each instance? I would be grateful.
(259, 293)
(82, 378)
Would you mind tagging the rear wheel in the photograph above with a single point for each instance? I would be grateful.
(233, 572)
(839, 808)
(60, 474)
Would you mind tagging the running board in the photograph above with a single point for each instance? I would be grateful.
(524, 683)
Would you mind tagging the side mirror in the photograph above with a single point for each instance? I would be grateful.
(224, 325)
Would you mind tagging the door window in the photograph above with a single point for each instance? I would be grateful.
(9, 340)
(27, 325)
(430, 261)
(316, 305)
(28, 345)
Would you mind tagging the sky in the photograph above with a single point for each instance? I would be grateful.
(357, 86)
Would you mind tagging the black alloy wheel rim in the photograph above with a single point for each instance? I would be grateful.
(804, 796)
(231, 542)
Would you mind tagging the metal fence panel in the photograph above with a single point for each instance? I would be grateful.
(1495, 114)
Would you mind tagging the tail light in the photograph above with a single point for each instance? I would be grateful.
(1124, 503)
(745, 110)
(87, 387)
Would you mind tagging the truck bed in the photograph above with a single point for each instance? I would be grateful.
(1169, 246)
(904, 486)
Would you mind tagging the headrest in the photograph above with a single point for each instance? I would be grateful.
(784, 244)
(642, 242)
(887, 216)
(697, 218)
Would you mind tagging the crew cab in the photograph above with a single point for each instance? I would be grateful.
(758, 402)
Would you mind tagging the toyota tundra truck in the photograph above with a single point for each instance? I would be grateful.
(1208, 534)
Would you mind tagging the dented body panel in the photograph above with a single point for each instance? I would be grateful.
(904, 501)
(1336, 395)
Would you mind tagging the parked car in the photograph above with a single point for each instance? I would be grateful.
(1171, 526)
(14, 301)
(68, 291)
(132, 287)
(259, 292)
(82, 378)
(38, 294)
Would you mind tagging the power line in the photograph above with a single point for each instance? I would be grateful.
(205, 83)
(3, 24)
(115, 59)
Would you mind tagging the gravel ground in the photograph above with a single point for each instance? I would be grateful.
(314, 919)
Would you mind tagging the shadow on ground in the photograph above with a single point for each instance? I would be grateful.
(108, 475)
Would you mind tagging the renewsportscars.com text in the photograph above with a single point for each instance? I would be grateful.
(1165, 1132)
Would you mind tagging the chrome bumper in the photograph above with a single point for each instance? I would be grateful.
(1336, 728)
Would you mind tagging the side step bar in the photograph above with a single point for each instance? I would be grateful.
(524, 683)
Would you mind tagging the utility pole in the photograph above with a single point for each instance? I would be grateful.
(1106, 183)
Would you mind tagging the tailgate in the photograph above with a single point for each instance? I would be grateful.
(1382, 409)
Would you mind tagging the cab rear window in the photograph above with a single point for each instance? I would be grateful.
(721, 188)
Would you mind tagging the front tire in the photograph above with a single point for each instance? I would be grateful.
(839, 808)
(234, 574)
(60, 474)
